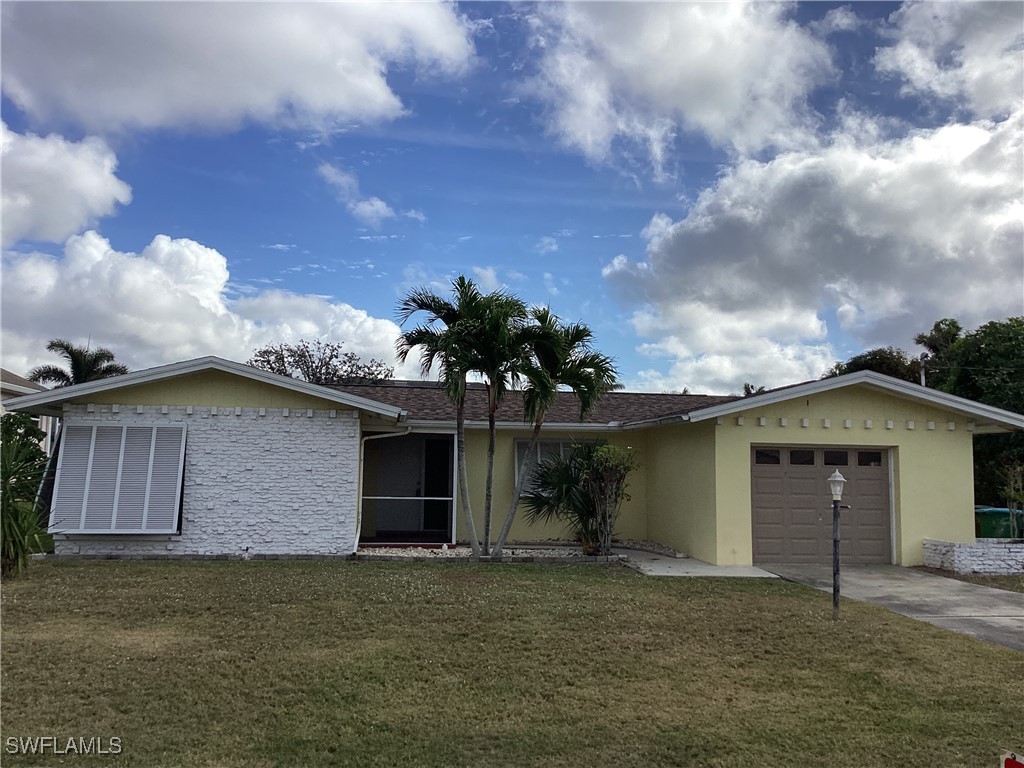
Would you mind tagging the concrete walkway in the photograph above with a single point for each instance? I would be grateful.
(994, 615)
(651, 564)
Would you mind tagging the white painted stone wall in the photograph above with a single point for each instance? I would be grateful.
(991, 556)
(257, 481)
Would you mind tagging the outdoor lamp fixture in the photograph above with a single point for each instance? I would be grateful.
(836, 483)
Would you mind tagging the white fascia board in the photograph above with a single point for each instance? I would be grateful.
(21, 390)
(418, 427)
(45, 401)
(1002, 420)
(427, 424)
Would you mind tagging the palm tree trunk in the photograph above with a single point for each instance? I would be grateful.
(518, 492)
(490, 482)
(460, 435)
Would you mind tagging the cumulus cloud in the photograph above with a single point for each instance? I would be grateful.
(969, 52)
(546, 245)
(416, 215)
(888, 235)
(487, 279)
(841, 19)
(170, 302)
(738, 73)
(218, 65)
(371, 211)
(53, 188)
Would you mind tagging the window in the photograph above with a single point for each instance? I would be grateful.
(869, 458)
(119, 479)
(546, 449)
(801, 458)
(836, 458)
(767, 456)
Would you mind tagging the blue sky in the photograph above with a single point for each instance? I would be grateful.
(725, 193)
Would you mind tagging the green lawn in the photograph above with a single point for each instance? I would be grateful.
(1013, 583)
(340, 663)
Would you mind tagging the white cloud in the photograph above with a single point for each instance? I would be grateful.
(53, 188)
(218, 65)
(738, 73)
(969, 52)
(549, 284)
(487, 279)
(167, 303)
(370, 211)
(841, 19)
(546, 245)
(891, 235)
(416, 215)
(280, 246)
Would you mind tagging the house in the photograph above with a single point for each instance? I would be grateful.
(13, 385)
(211, 457)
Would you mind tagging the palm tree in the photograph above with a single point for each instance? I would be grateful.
(562, 356)
(501, 354)
(446, 347)
(84, 365)
(484, 334)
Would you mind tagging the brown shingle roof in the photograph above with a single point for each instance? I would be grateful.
(19, 381)
(426, 400)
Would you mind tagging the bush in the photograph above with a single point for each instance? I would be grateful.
(22, 464)
(585, 490)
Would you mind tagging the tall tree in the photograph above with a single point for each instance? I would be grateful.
(84, 365)
(561, 357)
(445, 341)
(942, 336)
(483, 334)
(987, 365)
(886, 360)
(501, 351)
(319, 362)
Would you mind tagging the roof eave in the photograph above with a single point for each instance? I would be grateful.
(49, 402)
(991, 419)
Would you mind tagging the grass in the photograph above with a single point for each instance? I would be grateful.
(338, 663)
(1010, 582)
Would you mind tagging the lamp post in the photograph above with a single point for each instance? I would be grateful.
(836, 482)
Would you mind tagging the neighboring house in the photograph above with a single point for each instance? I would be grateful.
(13, 385)
(213, 457)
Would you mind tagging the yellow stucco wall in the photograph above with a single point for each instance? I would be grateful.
(632, 521)
(210, 388)
(933, 495)
(680, 474)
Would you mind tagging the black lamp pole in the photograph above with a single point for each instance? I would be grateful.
(836, 482)
(835, 559)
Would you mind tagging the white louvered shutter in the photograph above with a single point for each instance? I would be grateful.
(99, 499)
(72, 468)
(131, 501)
(119, 479)
(165, 478)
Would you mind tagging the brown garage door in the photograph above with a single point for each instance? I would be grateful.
(792, 504)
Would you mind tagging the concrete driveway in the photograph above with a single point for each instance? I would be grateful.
(994, 615)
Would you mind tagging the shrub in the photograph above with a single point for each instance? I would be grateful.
(585, 490)
(22, 464)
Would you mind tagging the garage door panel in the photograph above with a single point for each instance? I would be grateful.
(773, 516)
(768, 486)
(803, 486)
(792, 507)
